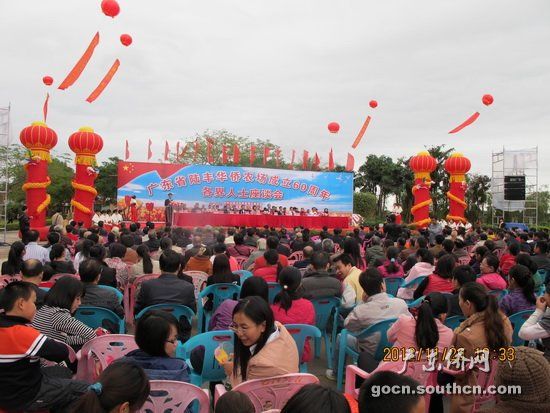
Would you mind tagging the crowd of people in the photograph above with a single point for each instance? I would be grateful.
(250, 209)
(466, 272)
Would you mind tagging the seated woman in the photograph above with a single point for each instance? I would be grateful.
(83, 251)
(521, 295)
(200, 261)
(157, 339)
(221, 249)
(391, 267)
(290, 308)
(485, 327)
(262, 347)
(270, 272)
(223, 316)
(489, 277)
(121, 388)
(57, 264)
(538, 278)
(117, 252)
(538, 325)
(108, 274)
(221, 272)
(15, 259)
(54, 319)
(440, 280)
(508, 260)
(424, 267)
(145, 264)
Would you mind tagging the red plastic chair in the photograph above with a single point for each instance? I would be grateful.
(130, 293)
(272, 392)
(240, 261)
(175, 396)
(199, 280)
(296, 256)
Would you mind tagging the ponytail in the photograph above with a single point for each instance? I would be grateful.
(523, 278)
(290, 280)
(426, 331)
(391, 255)
(143, 252)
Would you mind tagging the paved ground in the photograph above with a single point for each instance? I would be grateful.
(11, 236)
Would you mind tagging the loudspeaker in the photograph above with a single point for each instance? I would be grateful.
(514, 187)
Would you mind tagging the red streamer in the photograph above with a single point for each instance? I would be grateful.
(330, 160)
(361, 133)
(45, 108)
(104, 82)
(127, 152)
(79, 67)
(467, 122)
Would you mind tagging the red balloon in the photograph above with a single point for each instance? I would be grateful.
(333, 127)
(487, 100)
(126, 39)
(48, 80)
(373, 104)
(110, 8)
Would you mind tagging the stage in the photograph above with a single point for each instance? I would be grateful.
(189, 219)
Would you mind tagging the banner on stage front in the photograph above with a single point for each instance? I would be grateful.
(208, 185)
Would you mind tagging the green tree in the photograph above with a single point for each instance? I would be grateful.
(364, 204)
(106, 182)
(377, 176)
(477, 196)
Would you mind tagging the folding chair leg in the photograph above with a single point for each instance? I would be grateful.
(328, 351)
(318, 347)
(341, 361)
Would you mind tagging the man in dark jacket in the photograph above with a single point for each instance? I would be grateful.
(96, 296)
(318, 282)
(24, 224)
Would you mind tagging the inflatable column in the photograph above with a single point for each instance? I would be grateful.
(85, 144)
(457, 165)
(39, 140)
(422, 165)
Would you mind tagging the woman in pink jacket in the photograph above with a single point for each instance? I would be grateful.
(424, 267)
(391, 268)
(489, 276)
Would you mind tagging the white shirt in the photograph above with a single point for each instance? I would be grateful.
(106, 218)
(116, 218)
(96, 219)
(33, 250)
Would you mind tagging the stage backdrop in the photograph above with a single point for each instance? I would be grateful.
(205, 184)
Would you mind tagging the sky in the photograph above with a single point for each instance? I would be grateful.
(283, 70)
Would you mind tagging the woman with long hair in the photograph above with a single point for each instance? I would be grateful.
(440, 280)
(521, 292)
(15, 259)
(122, 387)
(145, 264)
(221, 272)
(485, 327)
(271, 271)
(262, 346)
(538, 277)
(351, 247)
(290, 307)
(391, 268)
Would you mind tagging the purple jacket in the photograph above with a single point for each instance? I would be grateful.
(515, 302)
(223, 316)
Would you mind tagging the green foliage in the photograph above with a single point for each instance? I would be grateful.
(364, 204)
(106, 182)
(477, 197)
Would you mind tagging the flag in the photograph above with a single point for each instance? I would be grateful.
(104, 82)
(197, 149)
(149, 151)
(305, 161)
(45, 108)
(77, 70)
(350, 163)
(127, 152)
(166, 150)
(184, 150)
(277, 157)
(252, 154)
(266, 154)
(330, 160)
(224, 154)
(177, 151)
(316, 162)
(209, 157)
(236, 154)
(291, 166)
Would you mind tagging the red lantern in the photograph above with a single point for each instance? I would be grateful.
(110, 8)
(457, 164)
(487, 100)
(333, 127)
(86, 144)
(423, 163)
(39, 139)
(373, 104)
(47, 80)
(126, 39)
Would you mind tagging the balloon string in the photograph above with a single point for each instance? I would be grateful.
(467, 122)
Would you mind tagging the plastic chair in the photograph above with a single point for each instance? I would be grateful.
(58, 276)
(211, 370)
(393, 284)
(119, 295)
(177, 310)
(103, 350)
(175, 396)
(244, 274)
(380, 328)
(300, 333)
(517, 321)
(499, 294)
(5, 280)
(464, 260)
(325, 307)
(199, 280)
(130, 295)
(413, 284)
(240, 261)
(219, 293)
(454, 321)
(93, 317)
(72, 356)
(415, 303)
(273, 290)
(270, 393)
(296, 256)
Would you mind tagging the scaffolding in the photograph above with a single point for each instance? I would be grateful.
(4, 172)
(522, 162)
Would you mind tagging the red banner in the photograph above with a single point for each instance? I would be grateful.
(330, 160)
(305, 160)
(104, 82)
(350, 162)
(149, 151)
(127, 152)
(236, 154)
(77, 70)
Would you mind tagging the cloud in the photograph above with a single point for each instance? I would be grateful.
(132, 187)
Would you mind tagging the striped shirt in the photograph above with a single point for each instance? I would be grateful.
(59, 324)
(33, 250)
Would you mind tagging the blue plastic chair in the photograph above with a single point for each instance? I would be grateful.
(454, 321)
(113, 289)
(517, 321)
(93, 317)
(211, 370)
(325, 308)
(393, 284)
(44, 288)
(219, 293)
(177, 310)
(244, 274)
(499, 294)
(300, 332)
(381, 328)
(415, 303)
(414, 283)
(273, 290)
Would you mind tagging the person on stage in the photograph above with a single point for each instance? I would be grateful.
(133, 209)
(168, 209)
(397, 210)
